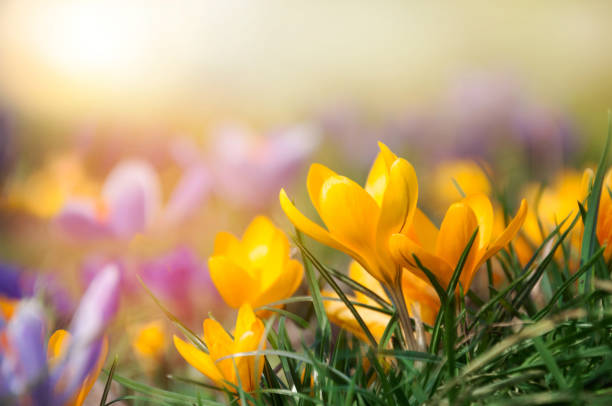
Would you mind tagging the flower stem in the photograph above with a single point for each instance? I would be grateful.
(397, 296)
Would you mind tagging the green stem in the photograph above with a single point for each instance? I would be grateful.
(397, 296)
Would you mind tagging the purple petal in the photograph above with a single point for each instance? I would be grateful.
(189, 194)
(24, 366)
(132, 193)
(78, 219)
(98, 306)
(10, 282)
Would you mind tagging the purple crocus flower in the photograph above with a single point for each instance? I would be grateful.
(25, 376)
(96, 309)
(23, 364)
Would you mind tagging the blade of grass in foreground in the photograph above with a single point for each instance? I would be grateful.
(589, 238)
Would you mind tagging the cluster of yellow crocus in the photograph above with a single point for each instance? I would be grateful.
(250, 272)
(220, 364)
(381, 227)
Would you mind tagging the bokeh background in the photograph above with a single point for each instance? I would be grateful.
(132, 131)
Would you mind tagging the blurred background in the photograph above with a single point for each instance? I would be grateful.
(133, 131)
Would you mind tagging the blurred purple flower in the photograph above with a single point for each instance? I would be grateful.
(23, 362)
(250, 169)
(130, 202)
(16, 283)
(488, 115)
(11, 282)
(129, 199)
(97, 308)
(485, 116)
(181, 279)
(25, 375)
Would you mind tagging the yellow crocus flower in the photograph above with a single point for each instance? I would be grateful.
(556, 203)
(218, 364)
(604, 217)
(439, 251)
(418, 295)
(469, 176)
(44, 192)
(360, 220)
(56, 349)
(149, 340)
(257, 269)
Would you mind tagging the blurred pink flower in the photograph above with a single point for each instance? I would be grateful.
(130, 202)
(181, 280)
(250, 169)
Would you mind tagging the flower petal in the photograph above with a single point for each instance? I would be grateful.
(457, 228)
(233, 282)
(482, 208)
(399, 203)
(422, 231)
(377, 179)
(351, 215)
(317, 176)
(403, 249)
(284, 285)
(317, 232)
(306, 225)
(508, 234)
(199, 360)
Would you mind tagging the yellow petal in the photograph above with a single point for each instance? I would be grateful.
(258, 233)
(284, 286)
(422, 295)
(317, 176)
(350, 214)
(361, 276)
(235, 285)
(341, 315)
(318, 233)
(513, 227)
(199, 360)
(306, 225)
(586, 181)
(248, 338)
(220, 345)
(226, 244)
(377, 179)
(270, 258)
(457, 228)
(422, 231)
(482, 208)
(403, 249)
(80, 396)
(387, 154)
(244, 322)
(399, 203)
(57, 345)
